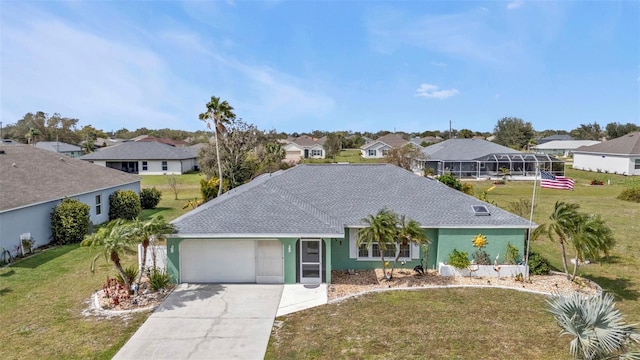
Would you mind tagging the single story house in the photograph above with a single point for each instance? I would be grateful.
(146, 158)
(477, 158)
(379, 148)
(561, 147)
(60, 147)
(299, 224)
(33, 181)
(555, 137)
(304, 147)
(617, 156)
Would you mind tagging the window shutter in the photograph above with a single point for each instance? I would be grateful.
(415, 250)
(353, 243)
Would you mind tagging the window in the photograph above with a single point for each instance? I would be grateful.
(144, 166)
(316, 152)
(373, 152)
(98, 204)
(390, 253)
(385, 152)
(637, 166)
(164, 166)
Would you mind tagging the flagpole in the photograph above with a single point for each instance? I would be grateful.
(533, 201)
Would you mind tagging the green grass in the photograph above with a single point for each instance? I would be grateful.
(41, 303)
(425, 324)
(348, 155)
(170, 207)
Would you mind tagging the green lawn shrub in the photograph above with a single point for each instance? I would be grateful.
(150, 197)
(459, 259)
(131, 272)
(159, 280)
(124, 204)
(630, 194)
(70, 221)
(209, 188)
(538, 265)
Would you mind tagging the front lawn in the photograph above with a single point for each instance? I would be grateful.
(42, 299)
(188, 186)
(425, 324)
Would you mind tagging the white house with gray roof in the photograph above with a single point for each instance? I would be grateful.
(60, 147)
(477, 158)
(297, 225)
(146, 158)
(33, 181)
(304, 147)
(561, 147)
(617, 156)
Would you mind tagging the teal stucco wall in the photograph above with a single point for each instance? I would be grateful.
(461, 239)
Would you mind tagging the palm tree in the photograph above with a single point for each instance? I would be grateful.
(116, 239)
(32, 136)
(565, 218)
(147, 231)
(591, 237)
(221, 114)
(597, 327)
(409, 231)
(380, 229)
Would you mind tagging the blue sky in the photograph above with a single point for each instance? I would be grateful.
(331, 65)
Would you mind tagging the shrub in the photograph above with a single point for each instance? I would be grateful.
(538, 265)
(467, 189)
(131, 272)
(209, 188)
(597, 182)
(481, 257)
(511, 255)
(149, 198)
(124, 204)
(159, 280)
(459, 259)
(115, 291)
(70, 221)
(451, 181)
(631, 194)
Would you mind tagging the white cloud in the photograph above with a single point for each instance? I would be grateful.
(515, 4)
(433, 91)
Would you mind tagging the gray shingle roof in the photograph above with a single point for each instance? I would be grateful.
(393, 140)
(320, 200)
(142, 151)
(57, 146)
(29, 175)
(628, 144)
(464, 149)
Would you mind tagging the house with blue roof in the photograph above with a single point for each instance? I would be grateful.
(299, 224)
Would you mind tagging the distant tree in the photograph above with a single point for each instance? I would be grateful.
(32, 136)
(405, 156)
(174, 185)
(465, 134)
(333, 145)
(615, 130)
(513, 132)
(587, 132)
(220, 113)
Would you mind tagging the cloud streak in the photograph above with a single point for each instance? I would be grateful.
(515, 4)
(434, 92)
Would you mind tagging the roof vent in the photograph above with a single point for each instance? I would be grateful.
(480, 210)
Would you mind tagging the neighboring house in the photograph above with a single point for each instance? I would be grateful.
(146, 158)
(477, 158)
(297, 225)
(168, 141)
(561, 147)
(556, 137)
(379, 148)
(304, 147)
(33, 181)
(62, 148)
(618, 156)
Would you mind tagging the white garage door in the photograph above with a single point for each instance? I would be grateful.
(218, 261)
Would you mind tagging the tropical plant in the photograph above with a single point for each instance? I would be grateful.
(598, 329)
(459, 259)
(408, 231)
(538, 264)
(591, 237)
(220, 113)
(115, 240)
(511, 255)
(210, 188)
(564, 218)
(381, 229)
(158, 280)
(147, 232)
(70, 221)
(131, 272)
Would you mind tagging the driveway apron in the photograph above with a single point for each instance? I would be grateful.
(208, 321)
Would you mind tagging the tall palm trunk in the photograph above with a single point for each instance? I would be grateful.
(145, 245)
(218, 159)
(564, 258)
(575, 269)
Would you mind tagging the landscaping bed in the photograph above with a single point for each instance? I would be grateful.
(344, 284)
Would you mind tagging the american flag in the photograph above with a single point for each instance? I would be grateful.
(551, 181)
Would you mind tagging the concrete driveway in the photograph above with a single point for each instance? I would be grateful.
(208, 321)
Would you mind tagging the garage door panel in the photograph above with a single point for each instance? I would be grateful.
(218, 261)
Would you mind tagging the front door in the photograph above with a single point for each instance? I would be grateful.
(310, 261)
